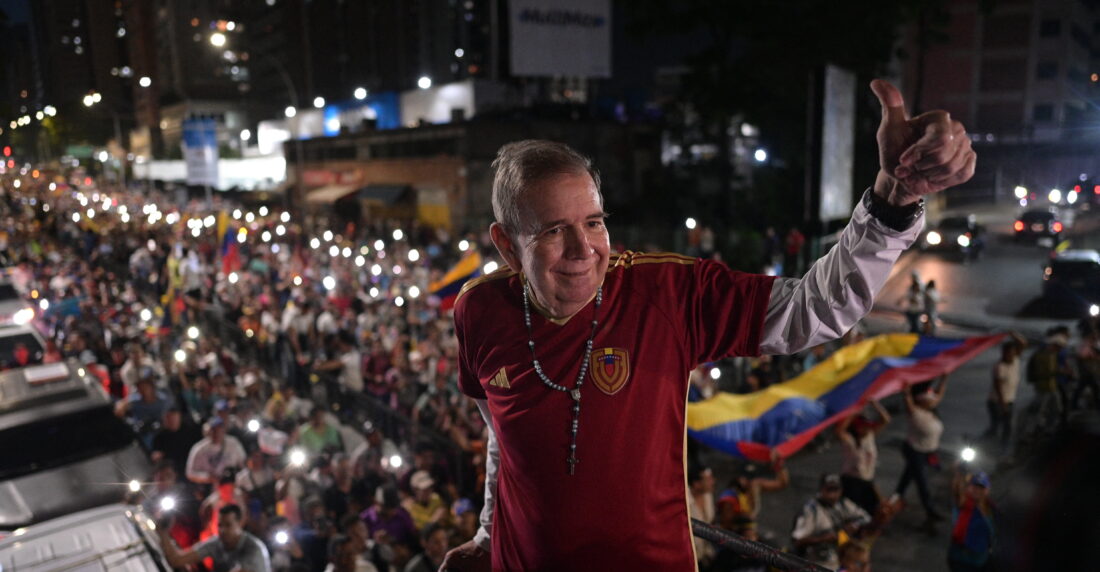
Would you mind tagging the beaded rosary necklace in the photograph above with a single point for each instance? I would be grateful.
(575, 393)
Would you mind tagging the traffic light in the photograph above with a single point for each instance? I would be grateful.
(7, 150)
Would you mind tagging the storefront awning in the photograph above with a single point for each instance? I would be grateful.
(329, 194)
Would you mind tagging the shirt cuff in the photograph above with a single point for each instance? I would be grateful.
(481, 538)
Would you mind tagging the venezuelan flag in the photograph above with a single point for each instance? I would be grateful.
(786, 416)
(447, 288)
(231, 256)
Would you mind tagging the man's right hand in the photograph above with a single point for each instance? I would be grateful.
(468, 557)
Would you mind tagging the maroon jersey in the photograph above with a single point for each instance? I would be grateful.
(626, 506)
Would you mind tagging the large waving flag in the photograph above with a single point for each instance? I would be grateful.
(786, 416)
(447, 288)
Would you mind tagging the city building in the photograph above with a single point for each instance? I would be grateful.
(1022, 76)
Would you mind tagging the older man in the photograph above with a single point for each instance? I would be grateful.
(567, 324)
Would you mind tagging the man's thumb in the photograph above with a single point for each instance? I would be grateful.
(893, 106)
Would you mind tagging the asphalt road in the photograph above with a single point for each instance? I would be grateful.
(999, 291)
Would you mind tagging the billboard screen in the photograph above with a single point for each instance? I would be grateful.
(837, 144)
(560, 37)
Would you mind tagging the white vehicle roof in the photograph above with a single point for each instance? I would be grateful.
(1078, 255)
(115, 537)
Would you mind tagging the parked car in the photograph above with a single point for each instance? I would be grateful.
(961, 235)
(1073, 276)
(21, 346)
(14, 310)
(1043, 226)
(62, 449)
(116, 537)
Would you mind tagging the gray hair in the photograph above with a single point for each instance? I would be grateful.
(521, 166)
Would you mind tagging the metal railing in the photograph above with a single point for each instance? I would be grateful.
(767, 555)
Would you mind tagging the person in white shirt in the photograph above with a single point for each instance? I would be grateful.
(1006, 382)
(817, 528)
(860, 457)
(215, 453)
(921, 444)
(348, 362)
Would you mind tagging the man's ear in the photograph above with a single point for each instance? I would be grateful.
(506, 247)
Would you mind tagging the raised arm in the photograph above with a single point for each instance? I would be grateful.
(176, 557)
(917, 156)
(883, 415)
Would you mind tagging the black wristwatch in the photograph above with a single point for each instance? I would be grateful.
(894, 217)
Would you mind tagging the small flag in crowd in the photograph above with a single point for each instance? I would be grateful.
(447, 288)
(231, 257)
(786, 416)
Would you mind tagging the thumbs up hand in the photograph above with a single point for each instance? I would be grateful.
(919, 155)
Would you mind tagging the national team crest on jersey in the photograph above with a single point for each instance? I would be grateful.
(610, 369)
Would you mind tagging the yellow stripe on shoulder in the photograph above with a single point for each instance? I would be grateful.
(505, 272)
(629, 258)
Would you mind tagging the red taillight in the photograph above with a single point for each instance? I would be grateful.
(1077, 188)
(1057, 226)
(1096, 189)
(1019, 226)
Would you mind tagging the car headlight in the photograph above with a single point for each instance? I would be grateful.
(963, 240)
(23, 316)
(933, 238)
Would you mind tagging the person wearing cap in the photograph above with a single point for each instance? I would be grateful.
(739, 505)
(827, 521)
(425, 505)
(860, 457)
(465, 518)
(921, 443)
(1043, 371)
(215, 453)
(972, 526)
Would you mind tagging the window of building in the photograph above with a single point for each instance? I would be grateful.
(1043, 112)
(1050, 28)
(1005, 31)
(1046, 70)
(1003, 74)
(1081, 37)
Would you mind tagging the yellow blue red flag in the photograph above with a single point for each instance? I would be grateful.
(447, 288)
(786, 416)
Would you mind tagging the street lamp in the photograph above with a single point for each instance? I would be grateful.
(217, 39)
(94, 98)
(290, 111)
(424, 82)
(360, 93)
(318, 102)
(145, 81)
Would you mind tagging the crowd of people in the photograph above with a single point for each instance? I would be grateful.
(254, 360)
(295, 393)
